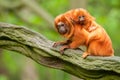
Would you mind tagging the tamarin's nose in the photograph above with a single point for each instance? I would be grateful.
(81, 18)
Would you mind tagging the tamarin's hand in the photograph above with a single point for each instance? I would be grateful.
(80, 28)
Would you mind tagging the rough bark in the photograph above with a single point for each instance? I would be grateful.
(39, 49)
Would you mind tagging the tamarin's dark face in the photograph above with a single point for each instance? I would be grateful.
(64, 26)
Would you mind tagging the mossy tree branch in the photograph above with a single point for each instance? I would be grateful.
(39, 49)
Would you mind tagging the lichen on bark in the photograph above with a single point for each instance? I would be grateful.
(39, 49)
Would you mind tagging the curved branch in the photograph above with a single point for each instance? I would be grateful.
(39, 49)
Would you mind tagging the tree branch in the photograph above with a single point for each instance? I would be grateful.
(39, 49)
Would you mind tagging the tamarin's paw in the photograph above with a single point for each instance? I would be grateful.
(85, 54)
(61, 52)
(56, 44)
(63, 48)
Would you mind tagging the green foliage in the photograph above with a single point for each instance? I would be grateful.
(12, 61)
(55, 7)
(51, 73)
(2, 77)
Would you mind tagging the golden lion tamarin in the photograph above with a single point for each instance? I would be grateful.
(80, 28)
(69, 31)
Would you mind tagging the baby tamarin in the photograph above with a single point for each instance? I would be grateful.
(80, 28)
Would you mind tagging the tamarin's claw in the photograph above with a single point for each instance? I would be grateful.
(56, 44)
(63, 48)
(61, 52)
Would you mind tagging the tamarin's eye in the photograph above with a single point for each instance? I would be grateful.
(81, 16)
(61, 24)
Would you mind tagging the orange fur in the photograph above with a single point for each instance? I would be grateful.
(76, 36)
(86, 32)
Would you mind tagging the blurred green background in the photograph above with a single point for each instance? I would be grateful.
(38, 15)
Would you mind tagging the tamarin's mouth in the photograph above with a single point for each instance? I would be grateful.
(82, 22)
